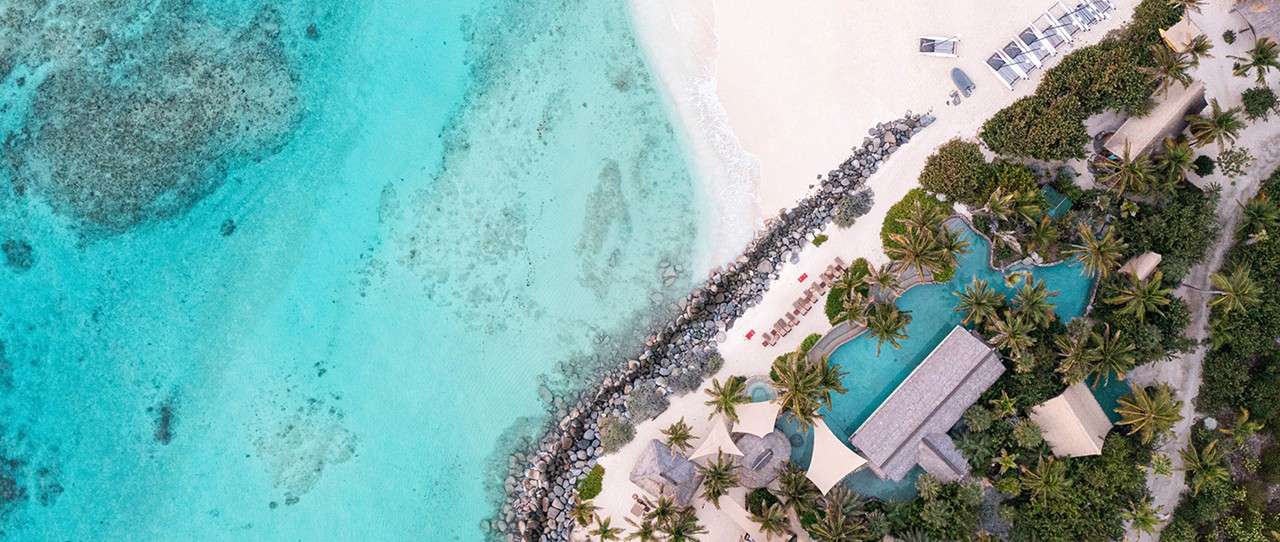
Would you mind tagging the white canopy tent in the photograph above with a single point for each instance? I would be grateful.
(1073, 423)
(831, 460)
(757, 418)
(717, 440)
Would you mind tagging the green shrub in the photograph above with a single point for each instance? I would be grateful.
(835, 298)
(809, 341)
(1204, 165)
(1234, 161)
(959, 171)
(819, 239)
(1229, 37)
(645, 402)
(760, 499)
(615, 433)
(852, 207)
(1178, 530)
(1039, 128)
(1259, 102)
(901, 209)
(590, 485)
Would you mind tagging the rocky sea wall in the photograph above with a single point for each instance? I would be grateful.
(542, 480)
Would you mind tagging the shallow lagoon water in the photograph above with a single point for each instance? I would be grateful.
(872, 376)
(322, 346)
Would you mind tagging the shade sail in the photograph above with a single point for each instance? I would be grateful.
(717, 440)
(757, 418)
(832, 460)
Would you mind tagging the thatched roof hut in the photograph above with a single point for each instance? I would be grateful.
(659, 472)
(1073, 423)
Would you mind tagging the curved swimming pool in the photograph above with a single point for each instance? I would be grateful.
(871, 376)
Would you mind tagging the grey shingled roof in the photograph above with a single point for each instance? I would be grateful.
(930, 400)
(659, 471)
(940, 457)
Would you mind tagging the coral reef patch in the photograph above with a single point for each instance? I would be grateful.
(18, 254)
(125, 126)
(299, 447)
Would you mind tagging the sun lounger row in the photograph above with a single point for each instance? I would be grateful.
(1046, 36)
(812, 296)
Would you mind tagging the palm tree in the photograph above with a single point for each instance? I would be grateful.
(979, 302)
(1234, 292)
(888, 323)
(1115, 355)
(951, 245)
(679, 436)
(1149, 415)
(1187, 5)
(1003, 406)
(794, 488)
(605, 532)
(726, 398)
(831, 377)
(1204, 466)
(1260, 215)
(1199, 48)
(718, 477)
(772, 520)
(583, 511)
(1242, 429)
(1042, 236)
(922, 217)
(1142, 296)
(1264, 56)
(915, 249)
(1047, 481)
(683, 527)
(1012, 333)
(1032, 302)
(1099, 255)
(838, 521)
(1143, 517)
(1077, 357)
(1220, 126)
(882, 277)
(799, 387)
(663, 511)
(1127, 173)
(853, 307)
(645, 531)
(1174, 163)
(1005, 461)
(1170, 67)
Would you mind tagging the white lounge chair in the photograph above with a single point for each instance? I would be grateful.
(939, 46)
(1047, 27)
(1103, 7)
(1066, 18)
(1003, 69)
(1020, 57)
(1087, 13)
(1038, 43)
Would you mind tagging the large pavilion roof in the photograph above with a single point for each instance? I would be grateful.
(659, 471)
(931, 400)
(1073, 423)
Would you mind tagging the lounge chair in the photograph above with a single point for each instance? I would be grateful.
(1058, 36)
(840, 263)
(1024, 59)
(1087, 14)
(1037, 43)
(1066, 18)
(792, 320)
(939, 46)
(1103, 7)
(1004, 70)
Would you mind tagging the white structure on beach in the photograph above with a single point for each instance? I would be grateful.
(1142, 265)
(910, 427)
(831, 460)
(1179, 36)
(1073, 423)
(1168, 118)
(717, 440)
(757, 418)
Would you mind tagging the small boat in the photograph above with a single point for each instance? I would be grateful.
(962, 81)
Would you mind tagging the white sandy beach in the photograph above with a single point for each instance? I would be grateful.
(771, 94)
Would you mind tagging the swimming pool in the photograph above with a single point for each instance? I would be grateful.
(871, 377)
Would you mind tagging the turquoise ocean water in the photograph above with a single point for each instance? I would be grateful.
(340, 338)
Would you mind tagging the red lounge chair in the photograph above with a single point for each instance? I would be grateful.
(751, 333)
(803, 276)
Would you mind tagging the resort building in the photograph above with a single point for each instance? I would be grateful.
(1073, 423)
(1262, 16)
(1140, 134)
(661, 472)
(910, 427)
(1142, 265)
(1178, 37)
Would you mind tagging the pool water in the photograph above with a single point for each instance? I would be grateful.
(872, 376)
(1059, 204)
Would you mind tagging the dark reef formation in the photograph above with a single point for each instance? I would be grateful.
(164, 421)
(127, 125)
(18, 254)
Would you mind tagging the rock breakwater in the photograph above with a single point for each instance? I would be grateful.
(542, 480)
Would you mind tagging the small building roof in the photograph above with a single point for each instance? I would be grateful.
(762, 458)
(659, 471)
(1178, 37)
(831, 460)
(1263, 17)
(1167, 118)
(1073, 423)
(1142, 265)
(717, 440)
(940, 457)
(931, 400)
(757, 418)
